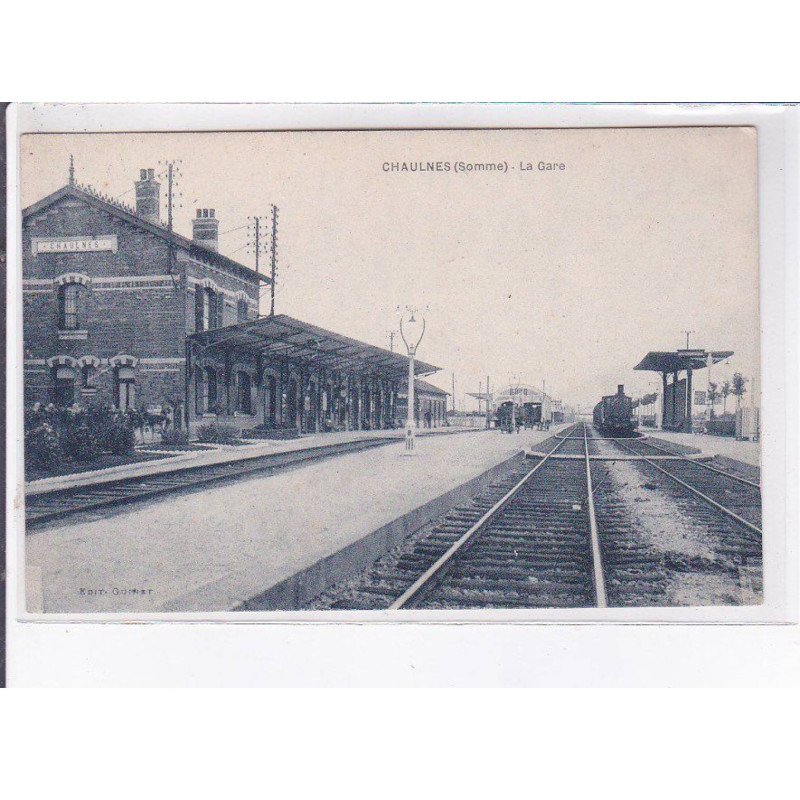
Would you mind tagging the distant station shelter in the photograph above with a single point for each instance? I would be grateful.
(677, 393)
(280, 372)
(535, 405)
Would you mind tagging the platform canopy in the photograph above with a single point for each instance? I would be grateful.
(678, 360)
(283, 336)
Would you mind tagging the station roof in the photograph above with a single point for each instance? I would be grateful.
(281, 335)
(678, 360)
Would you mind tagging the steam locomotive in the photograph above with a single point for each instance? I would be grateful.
(505, 416)
(613, 415)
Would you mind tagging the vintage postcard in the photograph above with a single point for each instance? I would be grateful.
(326, 371)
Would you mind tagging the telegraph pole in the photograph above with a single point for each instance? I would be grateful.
(688, 333)
(391, 335)
(172, 174)
(254, 236)
(454, 392)
(170, 178)
(273, 258)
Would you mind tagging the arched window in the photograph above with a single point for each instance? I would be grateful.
(126, 388)
(64, 389)
(69, 306)
(243, 392)
(211, 389)
(207, 310)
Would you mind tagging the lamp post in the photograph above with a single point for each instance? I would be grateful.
(412, 329)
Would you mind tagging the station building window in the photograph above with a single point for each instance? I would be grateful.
(207, 309)
(64, 389)
(69, 301)
(243, 400)
(125, 389)
(241, 311)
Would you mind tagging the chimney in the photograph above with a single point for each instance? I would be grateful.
(147, 196)
(620, 388)
(205, 229)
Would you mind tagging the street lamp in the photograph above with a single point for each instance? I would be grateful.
(412, 329)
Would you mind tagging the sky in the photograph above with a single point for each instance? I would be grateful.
(564, 275)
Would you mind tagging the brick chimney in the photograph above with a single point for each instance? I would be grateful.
(147, 196)
(205, 229)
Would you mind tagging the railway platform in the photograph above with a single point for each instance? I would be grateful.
(218, 454)
(723, 446)
(280, 538)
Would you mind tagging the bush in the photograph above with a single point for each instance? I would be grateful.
(218, 434)
(57, 435)
(174, 436)
(119, 438)
(81, 434)
(42, 449)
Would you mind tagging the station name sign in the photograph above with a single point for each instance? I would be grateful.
(73, 244)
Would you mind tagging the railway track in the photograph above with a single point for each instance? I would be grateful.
(570, 532)
(528, 541)
(730, 494)
(701, 527)
(46, 506)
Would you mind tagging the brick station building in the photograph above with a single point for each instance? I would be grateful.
(119, 309)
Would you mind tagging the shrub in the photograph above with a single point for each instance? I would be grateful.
(218, 434)
(119, 437)
(42, 449)
(174, 436)
(57, 435)
(81, 435)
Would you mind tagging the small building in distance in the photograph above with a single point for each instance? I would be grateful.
(430, 405)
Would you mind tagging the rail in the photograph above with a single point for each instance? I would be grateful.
(421, 584)
(732, 514)
(436, 571)
(730, 475)
(597, 560)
